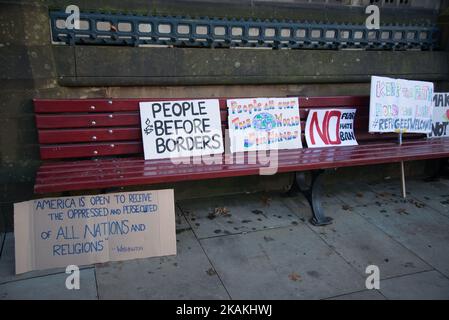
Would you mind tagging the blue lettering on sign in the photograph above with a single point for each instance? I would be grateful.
(66, 233)
(148, 208)
(106, 228)
(55, 204)
(92, 236)
(138, 227)
(140, 197)
(78, 248)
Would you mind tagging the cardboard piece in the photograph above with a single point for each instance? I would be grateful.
(398, 105)
(57, 232)
(330, 128)
(264, 124)
(440, 118)
(175, 129)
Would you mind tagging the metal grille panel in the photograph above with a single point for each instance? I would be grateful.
(135, 30)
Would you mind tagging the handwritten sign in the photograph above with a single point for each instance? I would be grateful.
(57, 232)
(398, 105)
(264, 124)
(440, 119)
(172, 129)
(330, 127)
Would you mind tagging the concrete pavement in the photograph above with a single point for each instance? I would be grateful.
(261, 246)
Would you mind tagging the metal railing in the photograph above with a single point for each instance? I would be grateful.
(137, 30)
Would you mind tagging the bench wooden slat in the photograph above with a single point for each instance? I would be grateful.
(132, 104)
(89, 135)
(82, 165)
(84, 105)
(145, 173)
(90, 150)
(86, 120)
(313, 155)
(333, 102)
(108, 147)
(61, 136)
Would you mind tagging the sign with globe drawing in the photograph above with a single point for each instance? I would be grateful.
(264, 124)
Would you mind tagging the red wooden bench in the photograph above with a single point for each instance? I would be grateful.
(97, 143)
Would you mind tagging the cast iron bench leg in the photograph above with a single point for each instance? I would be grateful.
(313, 192)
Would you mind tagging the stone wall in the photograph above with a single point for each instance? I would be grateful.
(31, 67)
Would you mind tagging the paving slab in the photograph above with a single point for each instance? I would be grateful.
(416, 226)
(180, 220)
(362, 194)
(434, 194)
(50, 287)
(282, 263)
(426, 286)
(362, 244)
(236, 214)
(8, 265)
(361, 295)
(188, 275)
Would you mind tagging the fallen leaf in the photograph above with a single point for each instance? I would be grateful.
(294, 276)
(211, 272)
(266, 200)
(219, 211)
(402, 211)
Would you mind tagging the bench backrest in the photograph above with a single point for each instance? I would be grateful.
(91, 128)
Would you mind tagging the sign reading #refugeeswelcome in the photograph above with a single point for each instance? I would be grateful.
(398, 105)
(172, 129)
(264, 124)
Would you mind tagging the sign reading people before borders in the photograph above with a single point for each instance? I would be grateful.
(172, 129)
(330, 127)
(440, 120)
(399, 105)
(264, 124)
(57, 232)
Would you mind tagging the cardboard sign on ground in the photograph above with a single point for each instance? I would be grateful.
(440, 119)
(175, 129)
(264, 124)
(57, 232)
(330, 128)
(398, 105)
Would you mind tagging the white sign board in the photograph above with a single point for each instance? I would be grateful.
(172, 129)
(57, 232)
(398, 105)
(440, 120)
(264, 124)
(330, 127)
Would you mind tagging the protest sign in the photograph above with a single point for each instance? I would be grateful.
(57, 232)
(172, 129)
(330, 127)
(264, 124)
(398, 105)
(440, 118)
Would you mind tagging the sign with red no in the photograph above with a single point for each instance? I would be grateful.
(330, 127)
